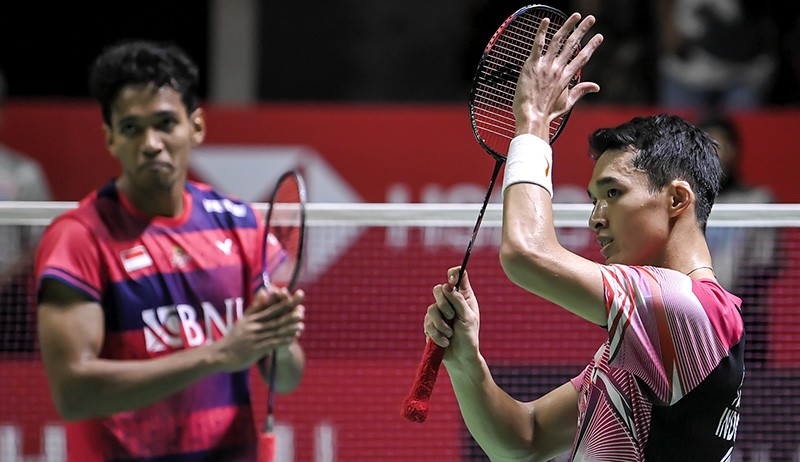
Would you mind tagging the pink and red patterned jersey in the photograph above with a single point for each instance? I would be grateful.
(667, 384)
(164, 284)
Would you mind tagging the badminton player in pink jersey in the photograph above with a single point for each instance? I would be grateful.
(152, 304)
(666, 384)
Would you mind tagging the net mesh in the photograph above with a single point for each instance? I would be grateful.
(368, 278)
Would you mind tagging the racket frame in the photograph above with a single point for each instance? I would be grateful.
(267, 438)
(302, 199)
(415, 406)
(557, 18)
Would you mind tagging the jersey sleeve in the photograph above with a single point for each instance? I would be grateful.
(67, 253)
(659, 330)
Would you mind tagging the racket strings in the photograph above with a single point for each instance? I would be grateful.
(496, 81)
(285, 231)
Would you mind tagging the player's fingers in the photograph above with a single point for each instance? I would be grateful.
(270, 296)
(458, 301)
(282, 336)
(463, 294)
(268, 345)
(580, 90)
(277, 324)
(563, 36)
(572, 41)
(540, 39)
(436, 328)
(276, 335)
(446, 308)
(464, 285)
(452, 275)
(260, 299)
(299, 295)
(582, 28)
(278, 315)
(583, 55)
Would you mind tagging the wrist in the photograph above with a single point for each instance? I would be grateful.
(537, 129)
(529, 160)
(467, 369)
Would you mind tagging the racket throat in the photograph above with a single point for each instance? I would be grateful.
(269, 425)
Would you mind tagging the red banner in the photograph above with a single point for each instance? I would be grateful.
(376, 148)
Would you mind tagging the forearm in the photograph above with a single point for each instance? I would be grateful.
(501, 425)
(100, 387)
(528, 235)
(529, 244)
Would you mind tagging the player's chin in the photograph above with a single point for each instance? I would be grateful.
(160, 180)
(613, 259)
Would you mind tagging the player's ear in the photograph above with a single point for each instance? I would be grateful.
(197, 119)
(108, 135)
(681, 197)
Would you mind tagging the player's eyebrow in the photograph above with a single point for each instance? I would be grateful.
(601, 182)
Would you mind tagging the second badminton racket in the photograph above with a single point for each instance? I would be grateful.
(282, 254)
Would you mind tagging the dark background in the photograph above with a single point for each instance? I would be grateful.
(347, 50)
(47, 47)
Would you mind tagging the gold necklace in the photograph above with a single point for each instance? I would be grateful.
(699, 268)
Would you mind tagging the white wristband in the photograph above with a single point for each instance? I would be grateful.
(529, 160)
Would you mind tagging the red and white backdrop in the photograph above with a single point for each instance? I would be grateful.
(365, 309)
(375, 148)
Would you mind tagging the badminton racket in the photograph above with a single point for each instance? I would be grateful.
(282, 257)
(493, 124)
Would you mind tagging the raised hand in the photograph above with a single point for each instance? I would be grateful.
(543, 92)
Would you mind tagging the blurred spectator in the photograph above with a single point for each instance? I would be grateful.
(625, 64)
(744, 258)
(21, 179)
(716, 53)
(787, 85)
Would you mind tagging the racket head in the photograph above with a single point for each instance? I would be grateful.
(495, 82)
(284, 236)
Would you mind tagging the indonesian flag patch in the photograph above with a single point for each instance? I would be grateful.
(135, 258)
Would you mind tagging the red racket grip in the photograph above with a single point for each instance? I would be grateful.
(266, 447)
(415, 407)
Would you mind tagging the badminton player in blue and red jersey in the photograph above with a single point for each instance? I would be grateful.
(152, 302)
(666, 384)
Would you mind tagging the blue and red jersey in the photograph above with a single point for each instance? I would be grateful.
(164, 284)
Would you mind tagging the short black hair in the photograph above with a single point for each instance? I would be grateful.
(667, 147)
(136, 61)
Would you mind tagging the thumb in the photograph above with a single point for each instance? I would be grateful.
(453, 279)
(580, 90)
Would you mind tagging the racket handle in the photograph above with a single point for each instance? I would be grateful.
(266, 447)
(415, 407)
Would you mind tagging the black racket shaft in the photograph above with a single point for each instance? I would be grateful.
(415, 407)
(497, 165)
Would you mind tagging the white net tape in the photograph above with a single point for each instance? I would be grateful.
(440, 215)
